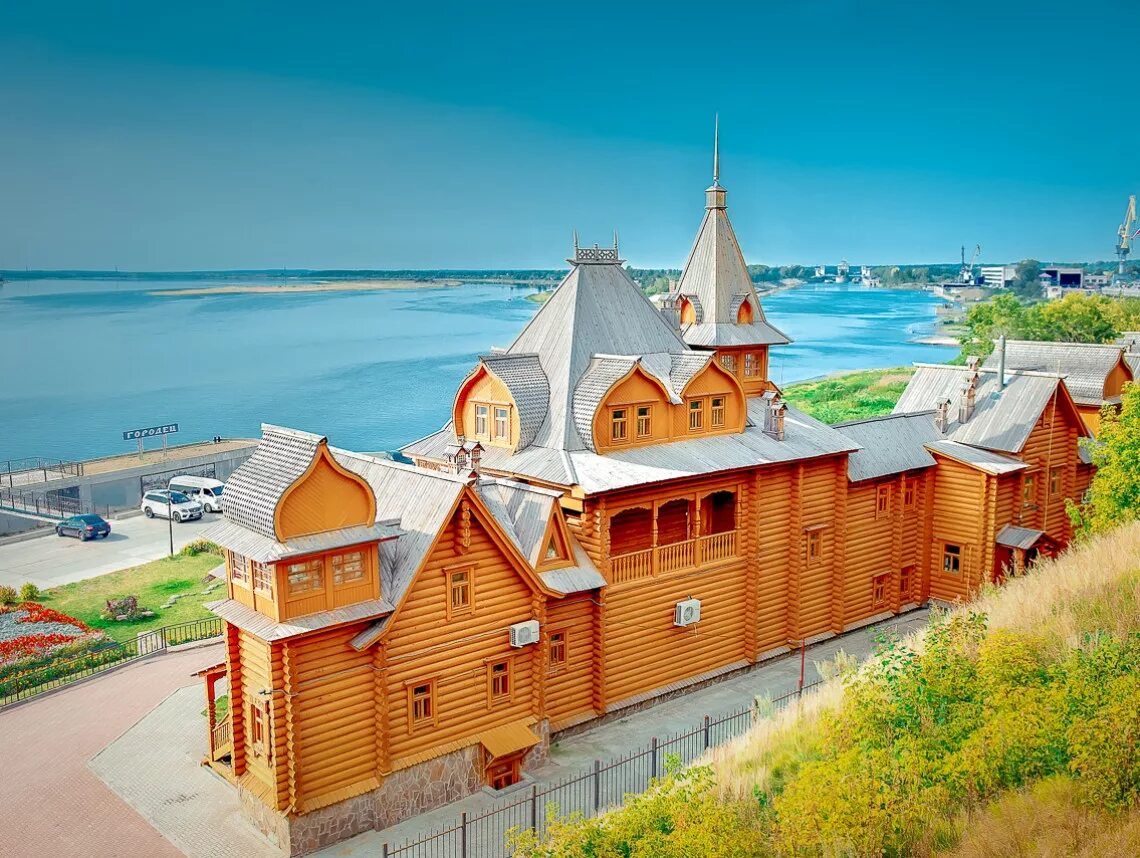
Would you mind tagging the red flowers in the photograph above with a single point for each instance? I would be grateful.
(30, 645)
(37, 613)
(30, 630)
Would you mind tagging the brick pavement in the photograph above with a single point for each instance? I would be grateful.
(54, 805)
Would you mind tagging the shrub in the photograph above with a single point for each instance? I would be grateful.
(29, 592)
(8, 595)
(200, 546)
(126, 606)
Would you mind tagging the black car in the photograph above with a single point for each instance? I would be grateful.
(84, 526)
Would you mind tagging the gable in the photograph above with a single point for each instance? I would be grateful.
(483, 386)
(554, 550)
(326, 497)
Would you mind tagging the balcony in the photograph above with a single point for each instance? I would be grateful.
(674, 557)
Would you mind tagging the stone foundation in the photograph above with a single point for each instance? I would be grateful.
(401, 795)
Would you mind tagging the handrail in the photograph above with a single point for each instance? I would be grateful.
(673, 557)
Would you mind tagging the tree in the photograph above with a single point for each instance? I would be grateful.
(984, 323)
(1076, 318)
(1114, 496)
(1027, 279)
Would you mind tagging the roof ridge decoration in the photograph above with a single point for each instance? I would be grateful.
(596, 255)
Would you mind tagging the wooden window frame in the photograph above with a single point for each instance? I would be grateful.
(728, 362)
(647, 417)
(906, 583)
(883, 500)
(263, 572)
(879, 584)
(485, 433)
(319, 563)
(909, 494)
(432, 718)
(696, 408)
(619, 422)
(952, 559)
(1029, 492)
(553, 665)
(813, 548)
(243, 563)
(1056, 480)
(449, 587)
(494, 699)
(258, 729)
(339, 559)
(751, 365)
(506, 433)
(512, 774)
(717, 410)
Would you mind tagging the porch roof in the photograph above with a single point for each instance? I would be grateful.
(1012, 536)
(508, 739)
(268, 629)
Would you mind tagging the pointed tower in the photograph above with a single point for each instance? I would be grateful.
(715, 301)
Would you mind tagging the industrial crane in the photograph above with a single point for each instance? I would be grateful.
(966, 273)
(1125, 234)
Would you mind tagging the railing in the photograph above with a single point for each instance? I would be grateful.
(605, 786)
(630, 567)
(676, 555)
(222, 738)
(34, 469)
(49, 505)
(718, 546)
(15, 687)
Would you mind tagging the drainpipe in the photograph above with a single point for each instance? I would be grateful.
(1001, 362)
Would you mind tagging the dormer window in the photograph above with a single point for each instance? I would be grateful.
(480, 420)
(744, 314)
(619, 429)
(717, 412)
(502, 424)
(728, 361)
(696, 415)
(644, 421)
(751, 365)
(348, 568)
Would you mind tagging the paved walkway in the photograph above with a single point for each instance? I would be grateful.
(153, 766)
(53, 804)
(50, 560)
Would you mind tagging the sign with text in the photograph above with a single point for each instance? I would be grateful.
(153, 431)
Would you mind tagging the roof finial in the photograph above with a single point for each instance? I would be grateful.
(716, 150)
(615, 240)
(575, 242)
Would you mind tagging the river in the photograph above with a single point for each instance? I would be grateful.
(82, 360)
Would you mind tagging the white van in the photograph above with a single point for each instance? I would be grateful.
(205, 490)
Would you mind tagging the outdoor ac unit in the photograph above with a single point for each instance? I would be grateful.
(687, 613)
(523, 634)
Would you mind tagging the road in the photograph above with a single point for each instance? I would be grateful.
(48, 561)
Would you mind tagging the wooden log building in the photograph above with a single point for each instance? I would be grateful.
(620, 507)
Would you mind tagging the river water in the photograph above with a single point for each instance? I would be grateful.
(82, 360)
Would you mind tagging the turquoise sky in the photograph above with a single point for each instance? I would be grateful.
(181, 136)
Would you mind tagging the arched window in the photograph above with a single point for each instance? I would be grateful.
(631, 530)
(688, 312)
(673, 522)
(744, 313)
(718, 512)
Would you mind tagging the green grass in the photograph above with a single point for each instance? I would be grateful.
(850, 396)
(540, 297)
(152, 583)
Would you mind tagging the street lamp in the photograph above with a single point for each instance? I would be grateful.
(170, 518)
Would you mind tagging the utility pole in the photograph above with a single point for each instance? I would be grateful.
(170, 518)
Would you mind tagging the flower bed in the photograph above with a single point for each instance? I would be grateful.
(31, 631)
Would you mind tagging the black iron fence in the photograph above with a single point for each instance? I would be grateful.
(20, 685)
(36, 469)
(46, 505)
(605, 786)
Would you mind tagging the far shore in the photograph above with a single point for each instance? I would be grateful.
(328, 286)
(937, 340)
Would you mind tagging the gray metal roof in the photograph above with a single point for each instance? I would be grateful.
(524, 378)
(683, 367)
(1084, 366)
(592, 387)
(580, 577)
(716, 273)
(1133, 361)
(523, 512)
(983, 460)
(1013, 536)
(698, 308)
(596, 310)
(255, 488)
(249, 543)
(1002, 419)
(269, 629)
(890, 445)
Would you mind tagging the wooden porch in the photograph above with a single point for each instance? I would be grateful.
(219, 730)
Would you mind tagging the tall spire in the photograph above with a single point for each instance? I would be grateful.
(716, 150)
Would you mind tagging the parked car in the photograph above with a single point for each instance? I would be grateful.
(86, 527)
(180, 507)
(205, 490)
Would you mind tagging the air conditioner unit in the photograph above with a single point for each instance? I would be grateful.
(523, 634)
(687, 613)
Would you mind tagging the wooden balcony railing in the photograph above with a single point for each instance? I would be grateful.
(718, 546)
(674, 557)
(222, 739)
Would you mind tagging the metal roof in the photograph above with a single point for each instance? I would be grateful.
(890, 445)
(683, 367)
(983, 460)
(255, 488)
(1002, 419)
(523, 512)
(524, 378)
(716, 273)
(268, 629)
(579, 578)
(508, 739)
(249, 543)
(1012, 536)
(592, 387)
(1084, 366)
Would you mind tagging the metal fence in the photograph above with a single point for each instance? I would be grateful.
(46, 677)
(589, 793)
(46, 505)
(36, 469)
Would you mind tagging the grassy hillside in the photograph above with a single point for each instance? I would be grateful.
(1011, 726)
(850, 396)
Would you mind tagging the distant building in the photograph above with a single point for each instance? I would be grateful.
(998, 276)
(1064, 277)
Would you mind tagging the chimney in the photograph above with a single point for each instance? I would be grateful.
(476, 457)
(967, 398)
(942, 416)
(774, 415)
(1001, 362)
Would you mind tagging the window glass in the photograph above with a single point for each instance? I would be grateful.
(459, 591)
(557, 649)
(500, 674)
(879, 590)
(1055, 481)
(480, 420)
(348, 568)
(751, 365)
(952, 559)
(644, 421)
(696, 414)
(814, 545)
(305, 577)
(618, 424)
(263, 578)
(239, 568)
(502, 425)
(728, 362)
(883, 501)
(717, 411)
(423, 703)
